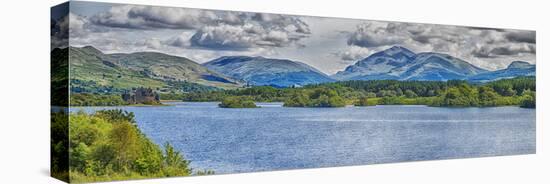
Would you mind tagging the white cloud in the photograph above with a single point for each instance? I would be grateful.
(353, 53)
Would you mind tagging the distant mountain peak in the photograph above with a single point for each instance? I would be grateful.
(263, 71)
(519, 64)
(399, 49)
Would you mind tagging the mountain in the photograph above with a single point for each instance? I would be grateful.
(516, 68)
(90, 66)
(377, 65)
(260, 71)
(399, 63)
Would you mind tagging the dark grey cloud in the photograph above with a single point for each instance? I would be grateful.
(522, 36)
(486, 28)
(489, 51)
(150, 17)
(59, 32)
(375, 34)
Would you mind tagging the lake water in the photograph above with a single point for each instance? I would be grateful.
(275, 137)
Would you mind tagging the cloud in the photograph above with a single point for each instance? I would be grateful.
(286, 22)
(59, 32)
(150, 17)
(181, 40)
(231, 37)
(494, 51)
(214, 29)
(375, 34)
(354, 53)
(226, 37)
(257, 30)
(522, 36)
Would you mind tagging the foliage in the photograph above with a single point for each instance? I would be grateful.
(59, 145)
(362, 101)
(107, 145)
(462, 96)
(529, 99)
(318, 97)
(237, 102)
(454, 93)
(87, 99)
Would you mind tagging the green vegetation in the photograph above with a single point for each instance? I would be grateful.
(59, 146)
(59, 77)
(320, 97)
(456, 93)
(237, 102)
(87, 99)
(95, 72)
(529, 100)
(107, 145)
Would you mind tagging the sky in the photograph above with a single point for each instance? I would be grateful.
(328, 44)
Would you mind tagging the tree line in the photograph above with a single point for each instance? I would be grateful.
(517, 91)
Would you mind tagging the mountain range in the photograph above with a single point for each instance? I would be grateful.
(399, 63)
(158, 70)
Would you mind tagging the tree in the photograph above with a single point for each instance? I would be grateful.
(410, 94)
(336, 101)
(174, 162)
(237, 102)
(363, 101)
(509, 91)
(461, 95)
(297, 100)
(529, 99)
(487, 96)
(124, 139)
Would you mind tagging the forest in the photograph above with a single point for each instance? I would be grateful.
(107, 145)
(456, 93)
(518, 91)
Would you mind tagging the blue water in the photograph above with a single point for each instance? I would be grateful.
(275, 137)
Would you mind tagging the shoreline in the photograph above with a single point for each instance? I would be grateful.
(282, 105)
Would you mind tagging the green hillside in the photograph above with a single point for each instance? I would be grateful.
(93, 71)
